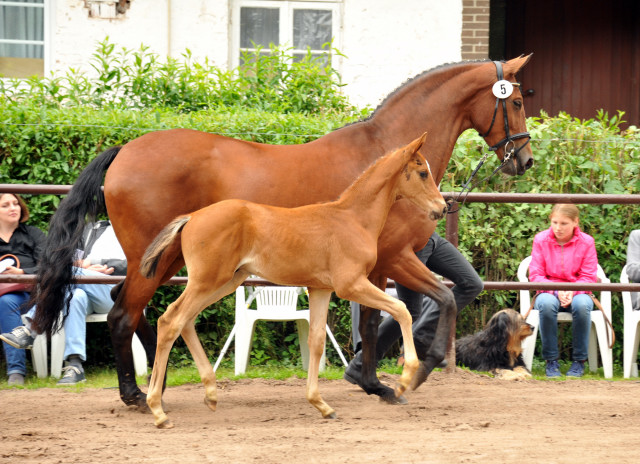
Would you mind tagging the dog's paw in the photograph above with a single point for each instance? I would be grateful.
(519, 374)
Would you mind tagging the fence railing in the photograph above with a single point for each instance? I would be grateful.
(451, 235)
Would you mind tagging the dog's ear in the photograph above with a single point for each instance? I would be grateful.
(498, 329)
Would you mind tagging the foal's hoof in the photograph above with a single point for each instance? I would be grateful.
(211, 404)
(393, 399)
(331, 415)
(165, 425)
(419, 377)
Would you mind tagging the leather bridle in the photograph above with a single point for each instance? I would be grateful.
(508, 141)
(508, 137)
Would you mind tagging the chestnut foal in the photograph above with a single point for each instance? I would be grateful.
(324, 247)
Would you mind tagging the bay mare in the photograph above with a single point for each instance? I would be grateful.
(161, 175)
(325, 247)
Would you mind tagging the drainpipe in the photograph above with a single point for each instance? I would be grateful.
(168, 28)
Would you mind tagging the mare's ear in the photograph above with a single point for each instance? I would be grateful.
(512, 67)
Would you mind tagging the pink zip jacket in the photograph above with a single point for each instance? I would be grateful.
(575, 261)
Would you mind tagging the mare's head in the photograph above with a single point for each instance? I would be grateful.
(417, 184)
(498, 114)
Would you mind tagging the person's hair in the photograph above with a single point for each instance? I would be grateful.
(566, 209)
(24, 209)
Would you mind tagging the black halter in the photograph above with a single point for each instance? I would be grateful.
(509, 151)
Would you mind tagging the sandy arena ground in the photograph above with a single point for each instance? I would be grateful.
(453, 418)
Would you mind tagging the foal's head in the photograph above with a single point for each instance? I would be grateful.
(417, 184)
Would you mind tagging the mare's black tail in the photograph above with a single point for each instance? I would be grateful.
(55, 269)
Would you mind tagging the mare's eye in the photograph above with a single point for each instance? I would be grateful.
(517, 104)
(424, 174)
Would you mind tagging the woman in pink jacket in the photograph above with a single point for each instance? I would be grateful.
(563, 253)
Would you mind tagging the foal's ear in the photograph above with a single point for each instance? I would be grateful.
(512, 67)
(417, 143)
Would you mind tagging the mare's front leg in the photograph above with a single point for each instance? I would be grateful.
(409, 271)
(318, 308)
(369, 321)
(364, 292)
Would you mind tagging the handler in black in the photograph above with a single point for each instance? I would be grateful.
(444, 259)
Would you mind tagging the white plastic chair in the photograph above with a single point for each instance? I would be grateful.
(58, 344)
(631, 331)
(273, 304)
(38, 352)
(596, 338)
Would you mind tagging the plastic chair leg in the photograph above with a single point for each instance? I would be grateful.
(57, 353)
(244, 336)
(139, 356)
(39, 355)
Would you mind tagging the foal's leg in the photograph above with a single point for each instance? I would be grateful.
(207, 374)
(189, 335)
(318, 308)
(193, 300)
(364, 292)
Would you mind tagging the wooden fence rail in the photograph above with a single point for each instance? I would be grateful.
(451, 227)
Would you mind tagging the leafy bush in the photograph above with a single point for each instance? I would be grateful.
(127, 79)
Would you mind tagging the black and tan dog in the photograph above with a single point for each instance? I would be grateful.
(497, 348)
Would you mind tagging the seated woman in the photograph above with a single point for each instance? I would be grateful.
(563, 253)
(633, 264)
(24, 242)
(101, 254)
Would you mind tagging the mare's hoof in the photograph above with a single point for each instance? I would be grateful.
(331, 416)
(393, 399)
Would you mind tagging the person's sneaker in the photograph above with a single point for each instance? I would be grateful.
(15, 379)
(71, 376)
(553, 369)
(20, 338)
(576, 369)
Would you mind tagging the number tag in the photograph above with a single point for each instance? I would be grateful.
(502, 89)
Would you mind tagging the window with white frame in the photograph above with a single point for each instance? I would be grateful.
(302, 25)
(22, 38)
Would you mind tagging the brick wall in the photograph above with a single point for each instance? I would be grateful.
(475, 29)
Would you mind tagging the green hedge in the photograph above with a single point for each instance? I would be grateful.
(51, 128)
(52, 145)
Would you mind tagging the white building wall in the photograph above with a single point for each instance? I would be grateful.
(386, 41)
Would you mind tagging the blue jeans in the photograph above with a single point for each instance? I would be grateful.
(581, 307)
(86, 299)
(10, 319)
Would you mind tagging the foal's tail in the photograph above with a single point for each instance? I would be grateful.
(166, 237)
(55, 267)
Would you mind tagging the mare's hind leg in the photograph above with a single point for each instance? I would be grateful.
(123, 319)
(318, 308)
